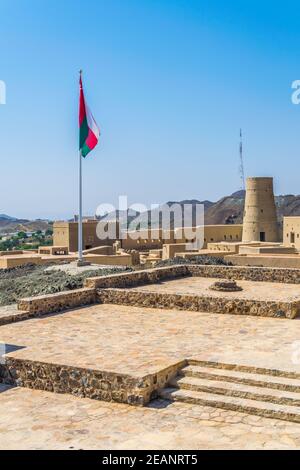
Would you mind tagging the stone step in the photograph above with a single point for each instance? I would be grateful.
(249, 378)
(243, 368)
(244, 405)
(251, 392)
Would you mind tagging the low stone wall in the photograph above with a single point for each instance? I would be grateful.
(16, 317)
(80, 297)
(43, 304)
(89, 383)
(247, 273)
(147, 276)
(200, 303)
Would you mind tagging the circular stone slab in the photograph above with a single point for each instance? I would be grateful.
(225, 286)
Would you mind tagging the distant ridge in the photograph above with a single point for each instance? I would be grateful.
(7, 217)
(10, 224)
(228, 210)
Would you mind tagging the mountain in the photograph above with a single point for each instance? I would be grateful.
(144, 218)
(207, 204)
(189, 207)
(287, 205)
(11, 224)
(7, 217)
(228, 210)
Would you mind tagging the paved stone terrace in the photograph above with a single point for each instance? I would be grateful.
(139, 341)
(265, 291)
(32, 419)
(11, 314)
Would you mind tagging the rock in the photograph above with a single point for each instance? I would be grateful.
(226, 286)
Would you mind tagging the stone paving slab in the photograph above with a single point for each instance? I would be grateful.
(32, 419)
(139, 341)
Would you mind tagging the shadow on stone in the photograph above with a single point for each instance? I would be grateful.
(159, 404)
(8, 348)
(5, 388)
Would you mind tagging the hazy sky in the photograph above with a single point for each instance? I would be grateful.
(170, 82)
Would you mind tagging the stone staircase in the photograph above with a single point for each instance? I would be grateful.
(262, 392)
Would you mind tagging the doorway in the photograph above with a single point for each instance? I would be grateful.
(292, 237)
(262, 236)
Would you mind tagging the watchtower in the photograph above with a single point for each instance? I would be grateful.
(260, 219)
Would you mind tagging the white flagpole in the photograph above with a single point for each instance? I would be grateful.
(80, 258)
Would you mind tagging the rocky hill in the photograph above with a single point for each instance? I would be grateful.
(230, 209)
(11, 224)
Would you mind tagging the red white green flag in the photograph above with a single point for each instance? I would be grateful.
(89, 132)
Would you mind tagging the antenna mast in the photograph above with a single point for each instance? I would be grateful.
(241, 167)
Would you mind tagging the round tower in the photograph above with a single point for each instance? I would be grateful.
(260, 220)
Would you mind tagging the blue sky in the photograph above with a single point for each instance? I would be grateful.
(170, 83)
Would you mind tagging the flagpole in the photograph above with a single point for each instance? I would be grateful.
(89, 134)
(80, 259)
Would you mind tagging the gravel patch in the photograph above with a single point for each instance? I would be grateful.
(33, 280)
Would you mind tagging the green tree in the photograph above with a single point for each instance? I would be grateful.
(22, 235)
